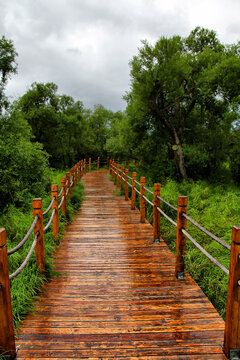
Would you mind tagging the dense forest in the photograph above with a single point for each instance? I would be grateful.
(181, 123)
(181, 119)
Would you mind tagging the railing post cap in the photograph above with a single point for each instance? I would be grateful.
(3, 237)
(236, 234)
(54, 187)
(37, 203)
(134, 174)
(182, 201)
(143, 179)
(67, 173)
(63, 179)
(157, 186)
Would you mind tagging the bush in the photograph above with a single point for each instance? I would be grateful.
(24, 165)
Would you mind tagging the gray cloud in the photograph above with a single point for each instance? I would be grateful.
(84, 46)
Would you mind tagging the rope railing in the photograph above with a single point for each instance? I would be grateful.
(137, 190)
(26, 237)
(166, 216)
(58, 202)
(50, 221)
(214, 237)
(60, 194)
(231, 337)
(167, 203)
(25, 262)
(210, 257)
(60, 205)
(49, 207)
(149, 191)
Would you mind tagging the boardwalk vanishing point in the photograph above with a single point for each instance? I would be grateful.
(117, 296)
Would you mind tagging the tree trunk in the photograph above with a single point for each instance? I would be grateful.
(179, 158)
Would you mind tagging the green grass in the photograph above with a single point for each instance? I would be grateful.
(17, 221)
(215, 207)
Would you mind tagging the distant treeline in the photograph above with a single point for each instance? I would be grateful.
(181, 119)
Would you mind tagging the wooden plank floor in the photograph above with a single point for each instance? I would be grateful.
(117, 296)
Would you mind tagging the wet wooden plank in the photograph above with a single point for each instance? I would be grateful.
(117, 296)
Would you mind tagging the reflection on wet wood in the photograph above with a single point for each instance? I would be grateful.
(117, 296)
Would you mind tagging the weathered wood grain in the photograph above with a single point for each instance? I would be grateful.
(117, 296)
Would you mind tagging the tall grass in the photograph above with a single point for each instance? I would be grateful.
(215, 207)
(25, 287)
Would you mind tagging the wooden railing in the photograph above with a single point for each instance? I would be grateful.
(231, 345)
(7, 340)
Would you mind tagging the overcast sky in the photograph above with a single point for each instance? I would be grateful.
(84, 46)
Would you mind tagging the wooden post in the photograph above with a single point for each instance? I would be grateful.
(231, 345)
(181, 238)
(90, 162)
(85, 167)
(81, 168)
(64, 204)
(55, 222)
(68, 185)
(110, 167)
(7, 340)
(118, 167)
(126, 184)
(40, 252)
(156, 214)
(108, 162)
(134, 177)
(75, 175)
(122, 171)
(114, 169)
(72, 178)
(98, 161)
(142, 200)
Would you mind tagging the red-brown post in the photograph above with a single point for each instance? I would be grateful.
(126, 184)
(231, 345)
(115, 169)
(90, 164)
(64, 204)
(134, 178)
(122, 171)
(85, 167)
(156, 214)
(7, 340)
(181, 238)
(110, 167)
(108, 162)
(79, 170)
(72, 178)
(55, 222)
(40, 251)
(68, 185)
(118, 167)
(76, 174)
(98, 161)
(142, 200)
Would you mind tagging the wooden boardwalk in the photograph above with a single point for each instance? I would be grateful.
(117, 296)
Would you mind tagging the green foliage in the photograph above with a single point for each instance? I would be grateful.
(24, 165)
(25, 287)
(185, 92)
(8, 66)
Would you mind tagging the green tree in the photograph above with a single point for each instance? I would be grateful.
(56, 121)
(8, 66)
(177, 88)
(24, 165)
